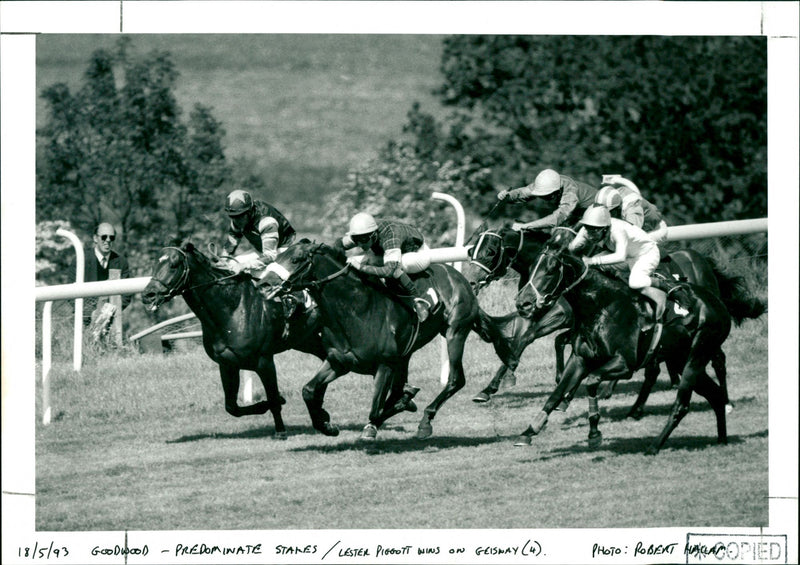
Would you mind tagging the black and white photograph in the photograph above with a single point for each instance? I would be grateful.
(400, 282)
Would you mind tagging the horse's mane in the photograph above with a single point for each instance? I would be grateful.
(205, 261)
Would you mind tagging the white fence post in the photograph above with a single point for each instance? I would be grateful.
(445, 374)
(47, 360)
(77, 343)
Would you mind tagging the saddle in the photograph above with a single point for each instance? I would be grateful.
(653, 315)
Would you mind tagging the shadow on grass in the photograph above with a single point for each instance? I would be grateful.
(402, 445)
(633, 446)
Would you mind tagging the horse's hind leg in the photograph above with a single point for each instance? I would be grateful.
(230, 387)
(314, 395)
(377, 415)
(269, 378)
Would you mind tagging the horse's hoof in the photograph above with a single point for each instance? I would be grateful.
(411, 406)
(481, 398)
(424, 430)
(595, 440)
(369, 433)
(327, 429)
(283, 436)
(523, 441)
(728, 408)
(563, 406)
(509, 382)
(637, 414)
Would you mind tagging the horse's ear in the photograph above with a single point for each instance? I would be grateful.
(188, 247)
(304, 240)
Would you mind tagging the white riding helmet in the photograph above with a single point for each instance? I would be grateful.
(596, 216)
(547, 182)
(362, 224)
(609, 197)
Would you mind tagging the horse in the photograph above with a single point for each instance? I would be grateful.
(241, 330)
(366, 330)
(611, 339)
(491, 254)
(496, 250)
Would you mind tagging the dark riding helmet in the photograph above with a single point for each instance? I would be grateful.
(238, 202)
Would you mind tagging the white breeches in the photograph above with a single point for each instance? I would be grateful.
(642, 267)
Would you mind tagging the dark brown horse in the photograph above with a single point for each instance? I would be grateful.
(241, 330)
(368, 331)
(494, 251)
(610, 339)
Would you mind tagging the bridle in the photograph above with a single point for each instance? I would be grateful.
(546, 298)
(495, 272)
(289, 283)
(178, 288)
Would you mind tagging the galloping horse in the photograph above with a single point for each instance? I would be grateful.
(241, 330)
(610, 342)
(365, 330)
(496, 250)
(492, 253)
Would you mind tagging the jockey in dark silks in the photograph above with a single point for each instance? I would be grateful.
(260, 223)
(396, 243)
(570, 198)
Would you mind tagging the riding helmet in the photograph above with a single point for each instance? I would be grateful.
(546, 182)
(238, 202)
(362, 224)
(609, 197)
(596, 216)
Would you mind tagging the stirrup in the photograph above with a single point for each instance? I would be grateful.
(423, 308)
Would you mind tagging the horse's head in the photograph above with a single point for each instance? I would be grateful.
(554, 274)
(488, 260)
(170, 277)
(293, 269)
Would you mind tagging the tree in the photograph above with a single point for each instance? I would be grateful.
(685, 117)
(117, 150)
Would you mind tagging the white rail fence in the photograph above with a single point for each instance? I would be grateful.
(80, 290)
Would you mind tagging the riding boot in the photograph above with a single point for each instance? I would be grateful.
(659, 298)
(675, 290)
(421, 304)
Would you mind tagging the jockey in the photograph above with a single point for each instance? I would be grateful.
(261, 224)
(627, 204)
(570, 198)
(396, 242)
(627, 244)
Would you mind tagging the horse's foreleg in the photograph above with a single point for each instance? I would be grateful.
(269, 378)
(574, 372)
(560, 343)
(230, 387)
(314, 395)
(595, 437)
(380, 389)
(651, 373)
(721, 370)
(455, 381)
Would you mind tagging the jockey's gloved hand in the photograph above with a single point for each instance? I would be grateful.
(502, 195)
(234, 266)
(355, 261)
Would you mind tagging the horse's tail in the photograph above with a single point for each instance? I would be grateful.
(734, 293)
(500, 331)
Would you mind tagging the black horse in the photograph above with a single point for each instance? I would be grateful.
(492, 252)
(497, 250)
(610, 339)
(368, 331)
(241, 330)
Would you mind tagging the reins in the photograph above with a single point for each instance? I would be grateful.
(543, 298)
(174, 291)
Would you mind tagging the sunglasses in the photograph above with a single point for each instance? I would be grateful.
(107, 237)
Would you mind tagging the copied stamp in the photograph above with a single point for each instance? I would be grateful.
(735, 548)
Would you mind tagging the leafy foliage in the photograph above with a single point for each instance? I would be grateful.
(684, 117)
(117, 150)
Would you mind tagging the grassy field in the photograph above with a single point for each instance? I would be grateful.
(142, 442)
(303, 108)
